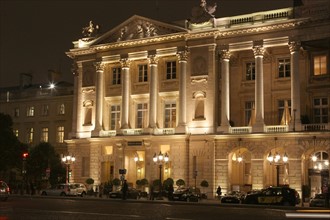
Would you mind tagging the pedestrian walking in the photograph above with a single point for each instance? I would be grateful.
(151, 196)
(124, 189)
(219, 191)
(170, 192)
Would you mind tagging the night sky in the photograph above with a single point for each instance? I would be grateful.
(34, 35)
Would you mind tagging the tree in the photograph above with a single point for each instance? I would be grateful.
(180, 182)
(10, 147)
(43, 157)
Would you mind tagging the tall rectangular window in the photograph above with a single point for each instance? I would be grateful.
(114, 117)
(283, 68)
(249, 112)
(44, 134)
(250, 71)
(171, 70)
(320, 110)
(85, 163)
(116, 76)
(143, 73)
(142, 115)
(16, 112)
(30, 111)
(29, 135)
(284, 112)
(60, 134)
(45, 110)
(170, 115)
(320, 65)
(61, 109)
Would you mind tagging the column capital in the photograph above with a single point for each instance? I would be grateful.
(125, 63)
(153, 59)
(183, 55)
(99, 66)
(258, 51)
(294, 46)
(225, 54)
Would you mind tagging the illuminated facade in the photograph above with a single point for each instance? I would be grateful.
(208, 94)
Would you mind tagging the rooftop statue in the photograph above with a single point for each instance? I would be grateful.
(202, 13)
(91, 30)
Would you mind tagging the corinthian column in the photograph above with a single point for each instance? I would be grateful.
(76, 117)
(182, 124)
(259, 89)
(294, 47)
(99, 98)
(225, 112)
(153, 60)
(125, 63)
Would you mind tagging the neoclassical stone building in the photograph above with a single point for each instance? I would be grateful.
(219, 96)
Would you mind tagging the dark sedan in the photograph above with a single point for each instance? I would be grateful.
(132, 193)
(231, 197)
(319, 200)
(274, 196)
(187, 194)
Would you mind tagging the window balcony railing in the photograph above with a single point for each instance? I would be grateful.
(164, 131)
(276, 128)
(240, 130)
(315, 127)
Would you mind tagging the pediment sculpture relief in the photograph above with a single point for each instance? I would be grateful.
(137, 30)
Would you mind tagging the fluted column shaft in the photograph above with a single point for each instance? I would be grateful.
(125, 63)
(225, 107)
(99, 96)
(295, 85)
(259, 88)
(182, 123)
(153, 91)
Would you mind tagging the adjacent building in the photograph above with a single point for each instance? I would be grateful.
(225, 99)
(40, 112)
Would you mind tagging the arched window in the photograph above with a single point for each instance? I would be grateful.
(199, 105)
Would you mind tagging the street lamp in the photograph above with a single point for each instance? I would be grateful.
(160, 159)
(68, 160)
(277, 162)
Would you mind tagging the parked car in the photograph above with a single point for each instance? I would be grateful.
(132, 193)
(187, 194)
(318, 200)
(274, 196)
(232, 197)
(4, 190)
(68, 189)
(81, 189)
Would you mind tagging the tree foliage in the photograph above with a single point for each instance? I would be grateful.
(10, 147)
(180, 182)
(204, 183)
(41, 157)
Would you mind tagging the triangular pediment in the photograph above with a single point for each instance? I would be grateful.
(138, 27)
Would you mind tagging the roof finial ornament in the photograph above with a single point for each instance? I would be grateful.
(203, 13)
(90, 30)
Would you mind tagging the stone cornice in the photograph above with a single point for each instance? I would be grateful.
(214, 33)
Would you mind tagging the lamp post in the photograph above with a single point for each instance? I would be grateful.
(160, 159)
(68, 160)
(277, 160)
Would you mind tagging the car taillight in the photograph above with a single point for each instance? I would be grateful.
(7, 189)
